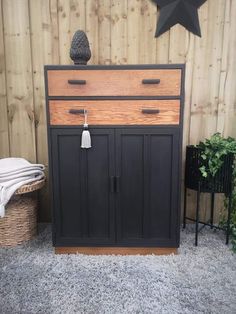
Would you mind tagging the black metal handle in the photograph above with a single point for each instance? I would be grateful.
(77, 111)
(151, 111)
(112, 184)
(77, 82)
(151, 81)
(117, 184)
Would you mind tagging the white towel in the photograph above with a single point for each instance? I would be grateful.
(15, 172)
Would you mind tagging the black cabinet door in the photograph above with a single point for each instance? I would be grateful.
(82, 187)
(147, 169)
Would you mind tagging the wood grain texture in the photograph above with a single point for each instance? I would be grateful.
(104, 32)
(91, 28)
(111, 112)
(114, 83)
(116, 250)
(19, 79)
(45, 50)
(147, 42)
(4, 135)
(119, 29)
(133, 33)
(71, 17)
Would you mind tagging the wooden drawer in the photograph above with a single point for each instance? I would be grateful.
(164, 82)
(115, 112)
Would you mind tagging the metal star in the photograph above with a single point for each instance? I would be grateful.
(184, 12)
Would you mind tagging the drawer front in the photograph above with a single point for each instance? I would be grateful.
(115, 112)
(148, 82)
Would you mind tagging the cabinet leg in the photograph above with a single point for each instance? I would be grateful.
(212, 209)
(185, 204)
(197, 218)
(228, 220)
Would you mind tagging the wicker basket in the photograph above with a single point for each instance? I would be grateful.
(20, 221)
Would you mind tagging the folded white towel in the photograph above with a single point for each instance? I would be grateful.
(15, 172)
(16, 165)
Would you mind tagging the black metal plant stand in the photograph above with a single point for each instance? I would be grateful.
(220, 183)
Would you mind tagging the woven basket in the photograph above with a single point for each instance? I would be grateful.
(20, 221)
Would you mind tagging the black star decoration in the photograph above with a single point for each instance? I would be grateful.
(184, 12)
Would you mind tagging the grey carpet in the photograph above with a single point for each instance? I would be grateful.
(198, 280)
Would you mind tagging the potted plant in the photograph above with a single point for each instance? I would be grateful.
(210, 163)
(210, 168)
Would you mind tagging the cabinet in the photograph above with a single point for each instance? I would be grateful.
(125, 190)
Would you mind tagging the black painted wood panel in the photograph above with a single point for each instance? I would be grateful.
(83, 203)
(147, 163)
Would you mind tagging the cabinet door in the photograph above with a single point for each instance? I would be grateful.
(148, 186)
(82, 196)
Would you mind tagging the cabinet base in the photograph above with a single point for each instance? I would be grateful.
(116, 250)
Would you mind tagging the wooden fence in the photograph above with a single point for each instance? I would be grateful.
(38, 32)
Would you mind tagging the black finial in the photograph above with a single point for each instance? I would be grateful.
(80, 52)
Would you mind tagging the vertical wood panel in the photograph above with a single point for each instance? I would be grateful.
(133, 31)
(92, 28)
(104, 35)
(162, 45)
(228, 87)
(4, 136)
(119, 42)
(147, 44)
(45, 50)
(71, 17)
(19, 79)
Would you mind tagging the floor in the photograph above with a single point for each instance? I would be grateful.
(198, 280)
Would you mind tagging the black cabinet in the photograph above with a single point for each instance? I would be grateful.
(125, 190)
(121, 192)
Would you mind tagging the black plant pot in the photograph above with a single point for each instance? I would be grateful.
(220, 183)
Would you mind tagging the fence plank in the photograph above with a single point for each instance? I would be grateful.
(104, 29)
(119, 38)
(91, 28)
(45, 50)
(133, 31)
(147, 44)
(19, 79)
(71, 17)
(4, 136)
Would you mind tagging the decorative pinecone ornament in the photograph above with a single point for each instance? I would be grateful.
(80, 52)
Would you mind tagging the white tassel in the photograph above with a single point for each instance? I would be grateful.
(86, 138)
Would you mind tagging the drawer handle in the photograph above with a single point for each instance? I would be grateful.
(77, 111)
(151, 81)
(77, 82)
(150, 111)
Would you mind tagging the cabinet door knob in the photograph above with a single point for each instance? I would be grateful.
(150, 111)
(151, 81)
(77, 82)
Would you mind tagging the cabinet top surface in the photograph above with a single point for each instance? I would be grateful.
(115, 67)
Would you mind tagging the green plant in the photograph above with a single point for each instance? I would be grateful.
(213, 151)
(223, 216)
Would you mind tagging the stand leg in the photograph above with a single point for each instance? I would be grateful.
(185, 203)
(197, 217)
(228, 221)
(212, 209)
